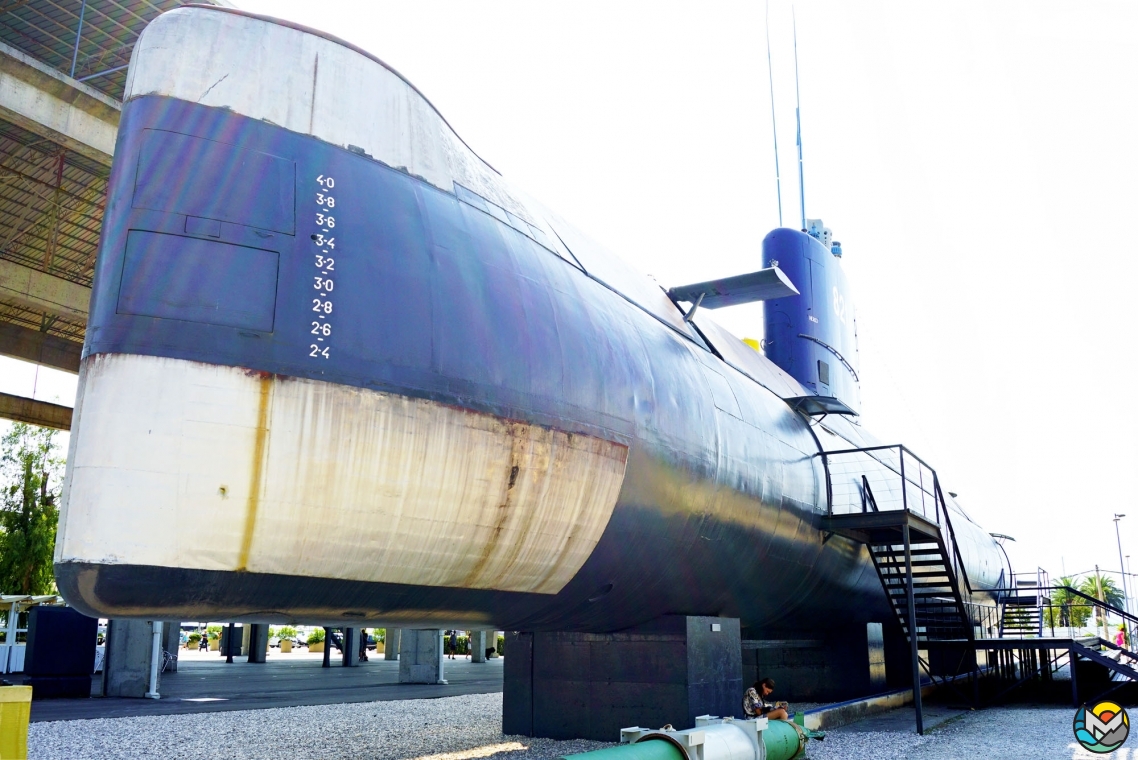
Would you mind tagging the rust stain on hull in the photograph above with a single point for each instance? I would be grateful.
(260, 441)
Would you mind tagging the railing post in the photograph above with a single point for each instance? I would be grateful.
(913, 646)
(937, 497)
(904, 483)
(829, 485)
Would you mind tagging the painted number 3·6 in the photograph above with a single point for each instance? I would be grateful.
(321, 326)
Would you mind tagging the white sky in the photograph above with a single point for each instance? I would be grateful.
(976, 159)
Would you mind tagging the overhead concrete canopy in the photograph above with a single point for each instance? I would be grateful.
(63, 69)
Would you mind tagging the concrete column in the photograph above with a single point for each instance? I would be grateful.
(391, 643)
(246, 639)
(478, 645)
(350, 657)
(258, 642)
(172, 642)
(230, 649)
(126, 669)
(421, 656)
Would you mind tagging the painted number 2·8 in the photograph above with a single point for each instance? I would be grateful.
(321, 325)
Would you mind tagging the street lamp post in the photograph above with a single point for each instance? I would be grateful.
(1122, 566)
(1129, 575)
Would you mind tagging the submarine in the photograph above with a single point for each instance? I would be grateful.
(339, 370)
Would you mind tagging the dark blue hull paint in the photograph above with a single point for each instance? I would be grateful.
(718, 514)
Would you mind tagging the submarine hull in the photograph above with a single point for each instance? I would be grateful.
(337, 370)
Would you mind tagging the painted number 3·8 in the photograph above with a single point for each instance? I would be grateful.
(321, 325)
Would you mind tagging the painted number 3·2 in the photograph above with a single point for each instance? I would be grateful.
(323, 279)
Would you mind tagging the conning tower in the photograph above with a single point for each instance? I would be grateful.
(813, 336)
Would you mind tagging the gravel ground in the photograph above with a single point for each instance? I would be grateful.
(453, 728)
(458, 728)
(1003, 732)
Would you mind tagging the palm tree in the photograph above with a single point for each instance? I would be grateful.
(1068, 610)
(1104, 590)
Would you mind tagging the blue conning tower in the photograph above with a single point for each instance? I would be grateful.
(813, 336)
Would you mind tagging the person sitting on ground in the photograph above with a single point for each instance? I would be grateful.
(755, 704)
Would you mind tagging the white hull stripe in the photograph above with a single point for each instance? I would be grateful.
(182, 464)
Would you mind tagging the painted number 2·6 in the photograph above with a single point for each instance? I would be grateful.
(321, 326)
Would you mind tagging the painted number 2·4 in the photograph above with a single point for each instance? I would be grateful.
(325, 267)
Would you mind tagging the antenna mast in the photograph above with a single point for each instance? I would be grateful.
(798, 119)
(774, 126)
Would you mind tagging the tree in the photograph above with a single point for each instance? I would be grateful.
(1067, 609)
(1103, 589)
(31, 474)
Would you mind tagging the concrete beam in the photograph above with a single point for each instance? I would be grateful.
(53, 105)
(32, 289)
(21, 342)
(35, 412)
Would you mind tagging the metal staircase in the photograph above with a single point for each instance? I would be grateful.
(911, 541)
(1022, 607)
(890, 500)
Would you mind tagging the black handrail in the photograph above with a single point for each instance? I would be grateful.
(956, 559)
(959, 560)
(1094, 602)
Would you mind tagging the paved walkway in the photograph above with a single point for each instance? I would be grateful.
(208, 684)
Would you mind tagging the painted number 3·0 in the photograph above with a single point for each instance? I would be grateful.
(321, 330)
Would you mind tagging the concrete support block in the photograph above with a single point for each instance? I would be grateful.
(350, 657)
(258, 642)
(172, 642)
(246, 639)
(421, 656)
(391, 643)
(842, 662)
(478, 644)
(589, 686)
(126, 669)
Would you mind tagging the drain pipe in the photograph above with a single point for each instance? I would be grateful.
(155, 656)
(442, 656)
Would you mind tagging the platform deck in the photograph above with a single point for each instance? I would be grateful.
(212, 686)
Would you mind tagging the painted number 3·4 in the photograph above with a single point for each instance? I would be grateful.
(325, 244)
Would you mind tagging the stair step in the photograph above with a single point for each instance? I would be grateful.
(899, 572)
(939, 578)
(900, 553)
